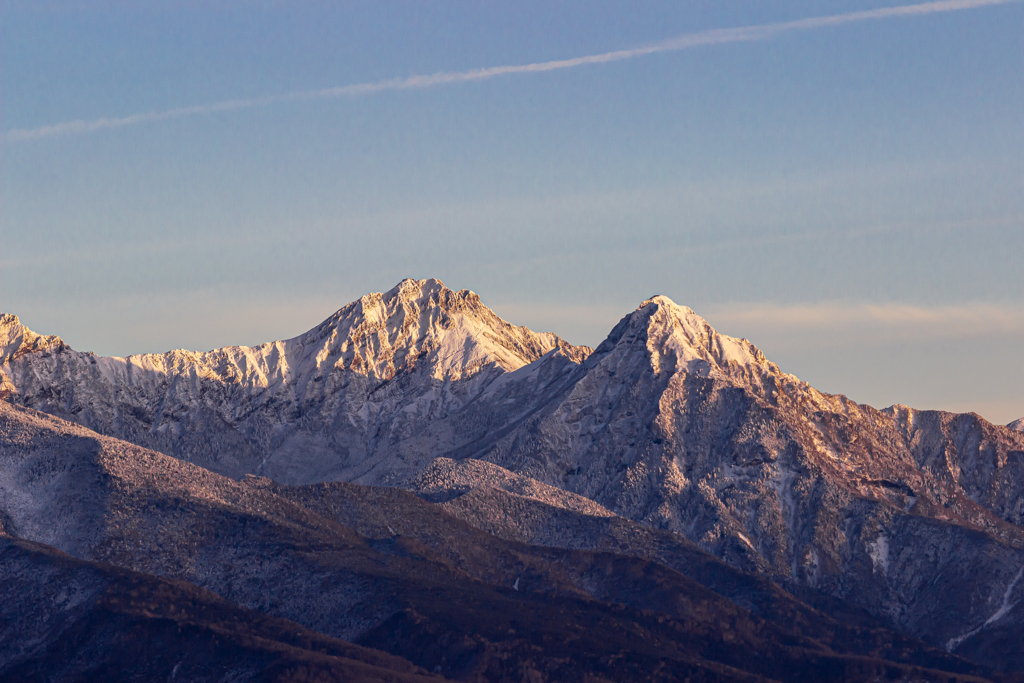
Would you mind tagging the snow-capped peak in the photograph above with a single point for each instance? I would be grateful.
(16, 339)
(418, 324)
(677, 339)
(1017, 425)
(422, 321)
(442, 347)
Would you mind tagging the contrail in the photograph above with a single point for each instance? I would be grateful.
(683, 42)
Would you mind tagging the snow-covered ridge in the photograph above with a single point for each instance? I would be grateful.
(423, 322)
(445, 478)
(417, 323)
(379, 370)
(672, 340)
(696, 346)
(17, 341)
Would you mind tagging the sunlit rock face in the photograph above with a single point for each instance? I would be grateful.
(913, 515)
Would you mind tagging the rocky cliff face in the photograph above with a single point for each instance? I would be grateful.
(913, 515)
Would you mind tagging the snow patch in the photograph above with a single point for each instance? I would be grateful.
(1005, 607)
(878, 550)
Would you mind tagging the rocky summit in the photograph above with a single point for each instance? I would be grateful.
(415, 453)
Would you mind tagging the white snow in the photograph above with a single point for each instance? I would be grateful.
(1005, 607)
(878, 550)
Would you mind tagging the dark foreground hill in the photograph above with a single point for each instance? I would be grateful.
(65, 619)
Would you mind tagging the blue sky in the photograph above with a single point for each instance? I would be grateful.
(850, 198)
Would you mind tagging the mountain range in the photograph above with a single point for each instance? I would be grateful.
(419, 488)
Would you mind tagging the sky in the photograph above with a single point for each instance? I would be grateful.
(842, 183)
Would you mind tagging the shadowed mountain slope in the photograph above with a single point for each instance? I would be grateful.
(389, 513)
(434, 590)
(70, 620)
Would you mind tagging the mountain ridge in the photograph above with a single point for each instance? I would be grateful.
(667, 423)
(420, 332)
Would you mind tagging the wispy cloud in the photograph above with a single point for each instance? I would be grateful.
(786, 328)
(885, 319)
(683, 42)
